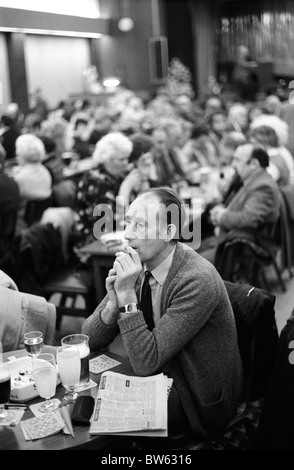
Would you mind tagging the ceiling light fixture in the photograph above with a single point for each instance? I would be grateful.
(125, 24)
(111, 82)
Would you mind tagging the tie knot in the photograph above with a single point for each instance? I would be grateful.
(147, 275)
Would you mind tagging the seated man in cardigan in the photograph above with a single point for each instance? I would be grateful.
(188, 332)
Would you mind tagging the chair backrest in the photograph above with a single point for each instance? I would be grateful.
(35, 208)
(240, 255)
(275, 427)
(39, 256)
(257, 333)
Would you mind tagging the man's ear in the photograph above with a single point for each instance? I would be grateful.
(170, 232)
(254, 163)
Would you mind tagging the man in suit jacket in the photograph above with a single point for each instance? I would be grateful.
(254, 207)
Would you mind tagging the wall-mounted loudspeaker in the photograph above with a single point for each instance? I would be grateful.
(158, 59)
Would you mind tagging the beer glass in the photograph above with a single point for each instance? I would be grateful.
(81, 343)
(5, 387)
(69, 368)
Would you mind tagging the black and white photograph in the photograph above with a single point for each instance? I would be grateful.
(146, 228)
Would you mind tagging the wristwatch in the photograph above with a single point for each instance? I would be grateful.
(129, 308)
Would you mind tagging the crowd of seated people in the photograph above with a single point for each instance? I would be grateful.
(231, 152)
(170, 142)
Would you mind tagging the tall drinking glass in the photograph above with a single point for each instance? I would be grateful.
(45, 376)
(69, 368)
(5, 387)
(33, 341)
(81, 343)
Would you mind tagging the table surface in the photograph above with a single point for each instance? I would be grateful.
(12, 438)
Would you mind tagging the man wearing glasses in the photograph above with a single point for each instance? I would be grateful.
(254, 207)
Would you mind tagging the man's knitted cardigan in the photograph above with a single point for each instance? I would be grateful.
(194, 342)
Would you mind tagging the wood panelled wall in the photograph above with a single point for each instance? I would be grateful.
(5, 95)
(56, 63)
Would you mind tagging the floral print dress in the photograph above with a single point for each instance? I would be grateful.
(95, 188)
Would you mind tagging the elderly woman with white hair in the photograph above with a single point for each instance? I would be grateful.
(33, 178)
(101, 184)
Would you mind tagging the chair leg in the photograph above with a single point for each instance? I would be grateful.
(59, 311)
(261, 280)
(281, 281)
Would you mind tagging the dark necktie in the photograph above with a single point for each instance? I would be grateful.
(146, 301)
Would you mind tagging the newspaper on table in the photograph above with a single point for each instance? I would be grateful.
(127, 404)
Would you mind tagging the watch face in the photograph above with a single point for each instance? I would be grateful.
(131, 308)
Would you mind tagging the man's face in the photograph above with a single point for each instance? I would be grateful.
(219, 122)
(146, 228)
(160, 138)
(241, 160)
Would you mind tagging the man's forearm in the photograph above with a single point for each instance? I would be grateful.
(126, 297)
(109, 314)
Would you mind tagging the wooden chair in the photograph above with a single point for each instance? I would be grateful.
(257, 339)
(70, 285)
(42, 270)
(240, 259)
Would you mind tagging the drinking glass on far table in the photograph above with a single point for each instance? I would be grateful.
(69, 368)
(45, 376)
(5, 387)
(81, 343)
(33, 341)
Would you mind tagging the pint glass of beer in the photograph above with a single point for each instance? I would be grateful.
(81, 343)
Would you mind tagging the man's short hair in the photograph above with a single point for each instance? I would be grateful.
(233, 139)
(261, 155)
(170, 199)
